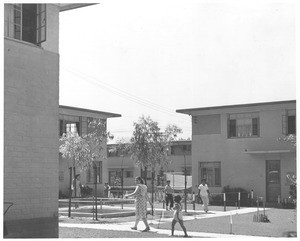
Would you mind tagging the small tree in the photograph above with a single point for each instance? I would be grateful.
(84, 150)
(149, 146)
(292, 139)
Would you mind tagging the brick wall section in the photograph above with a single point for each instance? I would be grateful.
(31, 94)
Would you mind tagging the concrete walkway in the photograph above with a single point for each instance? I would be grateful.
(125, 226)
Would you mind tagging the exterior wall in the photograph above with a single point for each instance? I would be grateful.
(180, 158)
(30, 132)
(114, 163)
(239, 168)
(31, 94)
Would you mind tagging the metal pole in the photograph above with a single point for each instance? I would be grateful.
(152, 183)
(122, 169)
(185, 183)
(74, 171)
(95, 192)
(224, 199)
(70, 192)
(194, 202)
(122, 180)
(239, 199)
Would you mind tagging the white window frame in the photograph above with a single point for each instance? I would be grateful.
(11, 22)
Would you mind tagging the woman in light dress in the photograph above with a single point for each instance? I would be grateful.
(141, 199)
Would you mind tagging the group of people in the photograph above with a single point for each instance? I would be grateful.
(141, 199)
(203, 194)
(172, 203)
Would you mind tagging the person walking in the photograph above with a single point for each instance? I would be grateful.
(177, 216)
(76, 188)
(106, 190)
(141, 198)
(204, 194)
(169, 195)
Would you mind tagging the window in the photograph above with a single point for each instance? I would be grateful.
(289, 123)
(188, 171)
(94, 173)
(69, 124)
(211, 171)
(172, 150)
(115, 178)
(243, 125)
(129, 174)
(26, 22)
(181, 150)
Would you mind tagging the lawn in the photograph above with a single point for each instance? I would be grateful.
(281, 220)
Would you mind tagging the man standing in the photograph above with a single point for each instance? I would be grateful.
(106, 190)
(204, 194)
(169, 195)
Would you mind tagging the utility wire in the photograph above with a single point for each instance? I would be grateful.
(122, 93)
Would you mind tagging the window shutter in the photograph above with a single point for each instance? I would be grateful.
(284, 124)
(231, 128)
(88, 174)
(41, 23)
(228, 126)
(78, 127)
(291, 125)
(255, 126)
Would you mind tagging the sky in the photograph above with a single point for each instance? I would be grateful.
(150, 58)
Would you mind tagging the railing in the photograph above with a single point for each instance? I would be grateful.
(5, 230)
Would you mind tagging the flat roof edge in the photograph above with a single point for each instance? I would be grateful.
(187, 111)
(91, 111)
(70, 6)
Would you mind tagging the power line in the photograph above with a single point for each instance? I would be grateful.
(122, 93)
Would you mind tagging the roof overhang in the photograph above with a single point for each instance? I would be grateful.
(70, 6)
(71, 108)
(214, 108)
(266, 151)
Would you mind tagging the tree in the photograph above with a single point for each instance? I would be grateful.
(149, 146)
(292, 139)
(84, 150)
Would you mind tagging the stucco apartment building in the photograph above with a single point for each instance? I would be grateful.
(31, 111)
(180, 159)
(73, 119)
(237, 145)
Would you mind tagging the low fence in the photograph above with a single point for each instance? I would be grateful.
(237, 199)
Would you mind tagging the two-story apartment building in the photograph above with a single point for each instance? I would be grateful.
(73, 119)
(31, 110)
(179, 157)
(237, 145)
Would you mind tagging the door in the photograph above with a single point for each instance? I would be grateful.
(273, 180)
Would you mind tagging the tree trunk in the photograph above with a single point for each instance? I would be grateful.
(70, 192)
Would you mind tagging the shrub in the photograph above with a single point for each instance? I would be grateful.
(86, 191)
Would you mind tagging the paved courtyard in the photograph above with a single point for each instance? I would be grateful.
(236, 223)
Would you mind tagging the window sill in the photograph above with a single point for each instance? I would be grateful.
(243, 137)
(23, 42)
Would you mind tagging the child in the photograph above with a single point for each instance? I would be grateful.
(177, 216)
